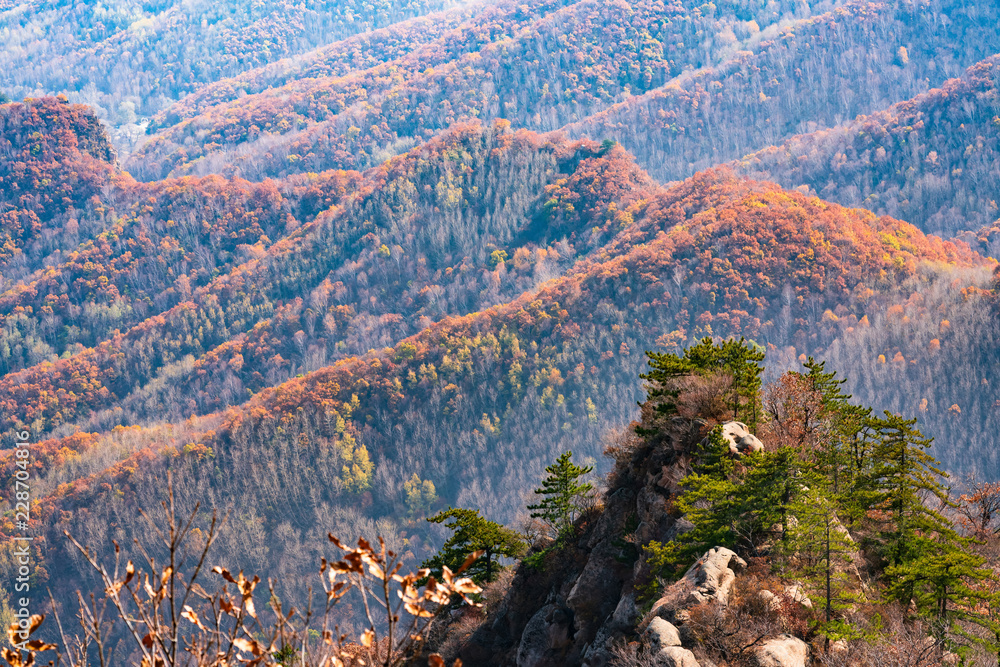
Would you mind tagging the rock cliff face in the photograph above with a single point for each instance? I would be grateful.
(579, 603)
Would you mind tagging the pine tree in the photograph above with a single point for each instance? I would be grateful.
(743, 361)
(903, 473)
(561, 493)
(708, 500)
(949, 585)
(740, 359)
(729, 502)
(471, 533)
(819, 550)
(843, 431)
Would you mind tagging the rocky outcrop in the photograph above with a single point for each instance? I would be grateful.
(662, 641)
(547, 638)
(782, 651)
(661, 634)
(709, 579)
(571, 604)
(740, 439)
(675, 656)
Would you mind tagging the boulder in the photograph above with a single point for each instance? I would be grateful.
(675, 656)
(714, 573)
(660, 634)
(770, 599)
(782, 651)
(740, 439)
(709, 579)
(796, 593)
(546, 638)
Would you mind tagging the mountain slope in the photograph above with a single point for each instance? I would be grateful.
(930, 160)
(479, 404)
(856, 59)
(540, 65)
(129, 60)
(339, 284)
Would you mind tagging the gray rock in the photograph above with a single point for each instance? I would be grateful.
(625, 613)
(782, 651)
(546, 638)
(675, 656)
(660, 634)
(714, 573)
(596, 591)
(709, 579)
(534, 640)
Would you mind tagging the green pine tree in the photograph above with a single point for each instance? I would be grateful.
(561, 494)
(901, 476)
(743, 361)
(730, 502)
(471, 533)
(740, 359)
(818, 550)
(846, 441)
(951, 588)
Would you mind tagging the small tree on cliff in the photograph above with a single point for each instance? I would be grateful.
(729, 502)
(471, 533)
(903, 480)
(561, 493)
(740, 359)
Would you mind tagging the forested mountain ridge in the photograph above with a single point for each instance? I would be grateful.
(541, 66)
(56, 157)
(548, 371)
(856, 59)
(692, 105)
(369, 294)
(129, 60)
(930, 160)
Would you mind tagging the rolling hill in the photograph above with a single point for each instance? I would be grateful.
(929, 160)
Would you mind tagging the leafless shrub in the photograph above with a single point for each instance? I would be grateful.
(704, 397)
(631, 654)
(175, 617)
(889, 639)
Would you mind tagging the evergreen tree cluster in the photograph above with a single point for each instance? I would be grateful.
(839, 495)
(562, 493)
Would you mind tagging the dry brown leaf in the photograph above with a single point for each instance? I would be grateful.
(224, 573)
(190, 615)
(39, 645)
(244, 645)
(35, 622)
